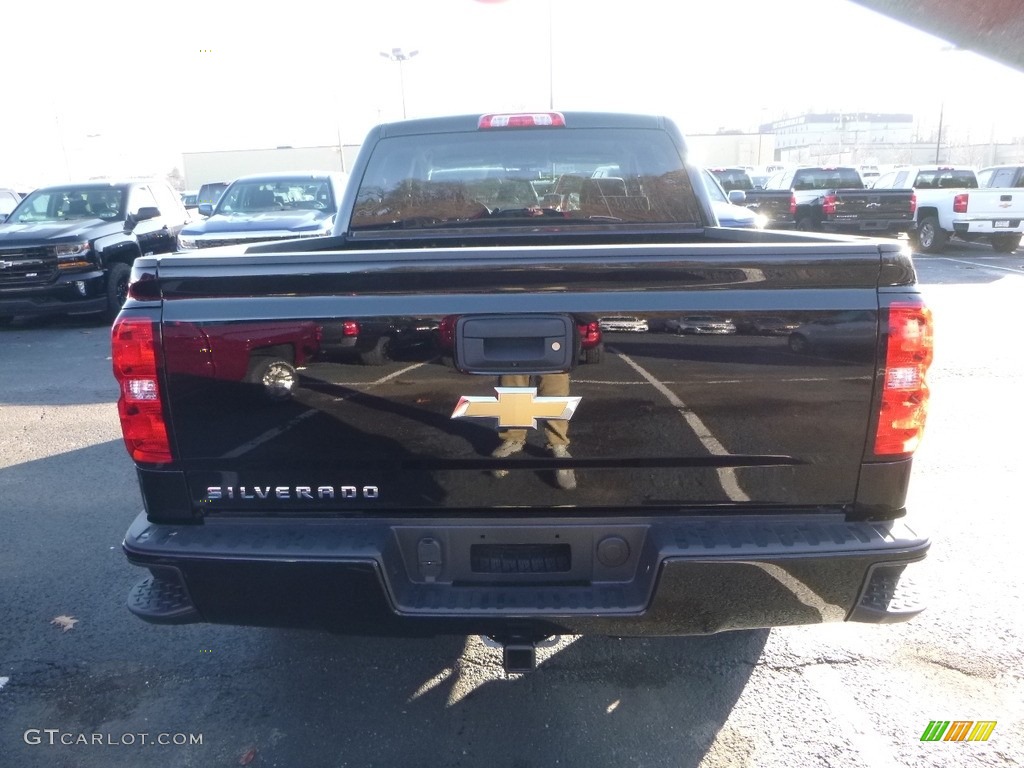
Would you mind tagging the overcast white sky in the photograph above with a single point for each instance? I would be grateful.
(126, 86)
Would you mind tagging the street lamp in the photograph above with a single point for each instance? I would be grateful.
(397, 54)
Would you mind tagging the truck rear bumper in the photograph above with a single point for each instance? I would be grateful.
(1005, 226)
(896, 227)
(623, 577)
(50, 305)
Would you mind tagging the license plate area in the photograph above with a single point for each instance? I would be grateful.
(520, 558)
(520, 555)
(1001, 224)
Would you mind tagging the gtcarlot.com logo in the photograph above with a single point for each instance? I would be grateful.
(57, 737)
(958, 730)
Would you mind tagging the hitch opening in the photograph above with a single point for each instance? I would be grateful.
(519, 652)
(519, 657)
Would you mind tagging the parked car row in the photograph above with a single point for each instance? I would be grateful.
(951, 203)
(930, 204)
(701, 325)
(68, 248)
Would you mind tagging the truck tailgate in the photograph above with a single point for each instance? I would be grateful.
(746, 380)
(773, 204)
(1002, 208)
(865, 206)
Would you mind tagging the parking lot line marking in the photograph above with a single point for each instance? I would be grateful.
(982, 264)
(857, 728)
(726, 475)
(270, 434)
(398, 373)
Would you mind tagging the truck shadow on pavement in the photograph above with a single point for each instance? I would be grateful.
(445, 701)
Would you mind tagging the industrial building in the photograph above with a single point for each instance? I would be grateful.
(202, 167)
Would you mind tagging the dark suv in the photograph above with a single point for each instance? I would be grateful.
(68, 249)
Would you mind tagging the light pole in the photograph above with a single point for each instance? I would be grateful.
(397, 54)
(551, 58)
(942, 103)
(63, 148)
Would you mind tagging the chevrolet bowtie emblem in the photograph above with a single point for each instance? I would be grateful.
(516, 407)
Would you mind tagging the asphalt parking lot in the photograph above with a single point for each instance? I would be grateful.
(849, 695)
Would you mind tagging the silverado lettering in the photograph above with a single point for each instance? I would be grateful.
(216, 492)
(745, 405)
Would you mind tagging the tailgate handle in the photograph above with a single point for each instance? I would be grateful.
(504, 344)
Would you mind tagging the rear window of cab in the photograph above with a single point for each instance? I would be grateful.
(511, 177)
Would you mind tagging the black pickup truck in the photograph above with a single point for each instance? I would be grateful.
(691, 484)
(827, 199)
(68, 249)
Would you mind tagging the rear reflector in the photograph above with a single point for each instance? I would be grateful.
(522, 120)
(133, 350)
(904, 388)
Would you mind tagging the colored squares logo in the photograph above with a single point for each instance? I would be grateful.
(958, 730)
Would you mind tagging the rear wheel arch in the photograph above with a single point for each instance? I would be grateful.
(379, 353)
(931, 237)
(118, 274)
(805, 222)
(1007, 243)
(798, 343)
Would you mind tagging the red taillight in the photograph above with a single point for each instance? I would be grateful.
(350, 328)
(590, 333)
(828, 205)
(522, 120)
(792, 204)
(904, 388)
(960, 203)
(133, 351)
(446, 331)
(913, 202)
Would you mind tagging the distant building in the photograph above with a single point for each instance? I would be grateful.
(721, 149)
(203, 167)
(848, 138)
(840, 129)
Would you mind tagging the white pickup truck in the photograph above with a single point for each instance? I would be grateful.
(950, 204)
